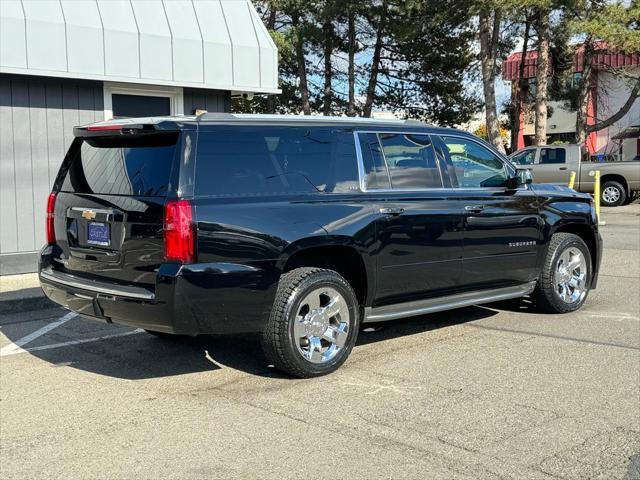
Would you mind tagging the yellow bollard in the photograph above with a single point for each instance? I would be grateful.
(596, 193)
(572, 179)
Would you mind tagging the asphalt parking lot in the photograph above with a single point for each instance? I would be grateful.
(483, 392)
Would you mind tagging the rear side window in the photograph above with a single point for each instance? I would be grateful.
(121, 166)
(411, 161)
(553, 155)
(240, 161)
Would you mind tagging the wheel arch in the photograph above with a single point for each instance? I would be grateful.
(615, 177)
(341, 256)
(588, 236)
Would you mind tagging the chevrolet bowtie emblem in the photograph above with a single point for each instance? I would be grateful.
(88, 214)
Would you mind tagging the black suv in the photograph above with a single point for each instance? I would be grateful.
(302, 229)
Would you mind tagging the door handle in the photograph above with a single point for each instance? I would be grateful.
(474, 208)
(392, 210)
(562, 168)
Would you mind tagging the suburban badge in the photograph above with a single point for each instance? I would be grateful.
(522, 244)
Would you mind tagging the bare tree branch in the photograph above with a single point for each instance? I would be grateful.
(624, 109)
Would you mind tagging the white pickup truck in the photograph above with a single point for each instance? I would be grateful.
(619, 181)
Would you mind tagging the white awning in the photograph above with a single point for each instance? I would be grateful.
(217, 44)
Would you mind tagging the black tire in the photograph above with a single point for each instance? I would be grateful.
(546, 295)
(630, 198)
(278, 341)
(616, 188)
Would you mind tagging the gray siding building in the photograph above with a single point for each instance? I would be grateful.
(70, 62)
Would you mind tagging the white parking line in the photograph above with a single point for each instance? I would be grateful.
(69, 343)
(375, 388)
(614, 316)
(16, 347)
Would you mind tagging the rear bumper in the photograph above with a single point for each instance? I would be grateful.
(187, 299)
(132, 306)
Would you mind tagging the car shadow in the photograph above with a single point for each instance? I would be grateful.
(137, 356)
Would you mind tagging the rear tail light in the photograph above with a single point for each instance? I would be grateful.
(49, 226)
(179, 231)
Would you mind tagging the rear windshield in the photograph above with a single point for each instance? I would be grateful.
(121, 166)
(249, 161)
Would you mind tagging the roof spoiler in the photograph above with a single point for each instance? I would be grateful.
(113, 128)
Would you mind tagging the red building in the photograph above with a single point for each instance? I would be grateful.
(605, 98)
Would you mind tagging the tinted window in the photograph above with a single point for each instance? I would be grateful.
(411, 161)
(376, 176)
(448, 169)
(272, 161)
(526, 157)
(120, 166)
(552, 155)
(474, 165)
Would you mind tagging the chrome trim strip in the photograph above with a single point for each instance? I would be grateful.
(93, 286)
(361, 178)
(450, 302)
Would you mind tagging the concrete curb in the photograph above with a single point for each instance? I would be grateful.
(16, 305)
(21, 293)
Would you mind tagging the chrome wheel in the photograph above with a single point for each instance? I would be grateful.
(611, 194)
(571, 276)
(321, 326)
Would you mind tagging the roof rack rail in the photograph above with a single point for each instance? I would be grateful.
(321, 119)
(413, 121)
(216, 116)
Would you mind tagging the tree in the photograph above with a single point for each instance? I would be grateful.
(521, 85)
(271, 26)
(489, 34)
(352, 46)
(354, 56)
(481, 132)
(298, 28)
(543, 64)
(276, 14)
(605, 26)
(426, 55)
(379, 20)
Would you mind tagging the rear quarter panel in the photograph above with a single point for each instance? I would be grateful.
(629, 170)
(243, 245)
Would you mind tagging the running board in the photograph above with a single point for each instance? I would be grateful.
(431, 305)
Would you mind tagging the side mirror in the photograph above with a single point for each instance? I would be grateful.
(523, 176)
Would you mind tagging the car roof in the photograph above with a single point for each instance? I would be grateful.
(174, 122)
(252, 118)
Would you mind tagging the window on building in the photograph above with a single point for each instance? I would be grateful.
(126, 101)
(140, 106)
